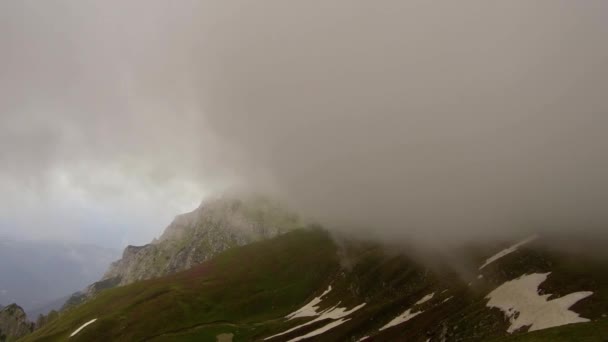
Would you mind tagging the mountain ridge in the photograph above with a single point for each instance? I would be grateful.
(251, 292)
(216, 225)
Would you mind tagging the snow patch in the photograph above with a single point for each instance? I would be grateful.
(445, 300)
(408, 314)
(309, 309)
(521, 303)
(321, 330)
(404, 317)
(507, 251)
(335, 313)
(425, 298)
(82, 327)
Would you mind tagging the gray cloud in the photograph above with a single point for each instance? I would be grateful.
(100, 137)
(427, 120)
(432, 121)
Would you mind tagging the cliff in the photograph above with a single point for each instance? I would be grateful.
(192, 238)
(14, 323)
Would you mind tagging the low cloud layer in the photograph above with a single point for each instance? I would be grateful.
(433, 121)
(427, 121)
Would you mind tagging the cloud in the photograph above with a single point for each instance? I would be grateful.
(417, 120)
(420, 120)
(96, 141)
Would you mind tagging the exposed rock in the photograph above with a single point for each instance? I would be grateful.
(192, 238)
(46, 319)
(14, 323)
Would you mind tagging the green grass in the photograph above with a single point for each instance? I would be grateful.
(232, 293)
(248, 290)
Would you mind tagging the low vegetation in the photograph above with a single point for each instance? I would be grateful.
(248, 291)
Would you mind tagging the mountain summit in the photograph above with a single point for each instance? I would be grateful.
(215, 226)
(13, 323)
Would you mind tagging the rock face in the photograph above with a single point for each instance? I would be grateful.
(14, 323)
(192, 238)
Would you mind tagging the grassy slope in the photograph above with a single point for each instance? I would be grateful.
(227, 294)
(247, 290)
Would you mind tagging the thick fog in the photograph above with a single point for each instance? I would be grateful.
(424, 121)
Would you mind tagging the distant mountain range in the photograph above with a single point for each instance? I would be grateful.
(38, 274)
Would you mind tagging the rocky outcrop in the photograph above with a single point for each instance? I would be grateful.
(192, 238)
(46, 319)
(14, 323)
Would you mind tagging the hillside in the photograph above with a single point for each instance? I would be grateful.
(192, 238)
(302, 285)
(216, 225)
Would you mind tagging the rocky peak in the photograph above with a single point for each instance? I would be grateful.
(130, 251)
(197, 236)
(14, 322)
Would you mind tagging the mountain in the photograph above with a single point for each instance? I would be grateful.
(13, 323)
(56, 304)
(215, 226)
(303, 285)
(201, 234)
(34, 274)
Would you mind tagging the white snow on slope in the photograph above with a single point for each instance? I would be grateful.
(404, 317)
(321, 330)
(82, 327)
(408, 314)
(334, 313)
(425, 298)
(309, 309)
(521, 303)
(508, 251)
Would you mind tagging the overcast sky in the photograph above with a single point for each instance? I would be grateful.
(414, 119)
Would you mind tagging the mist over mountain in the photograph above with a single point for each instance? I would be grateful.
(410, 120)
(416, 120)
(444, 165)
